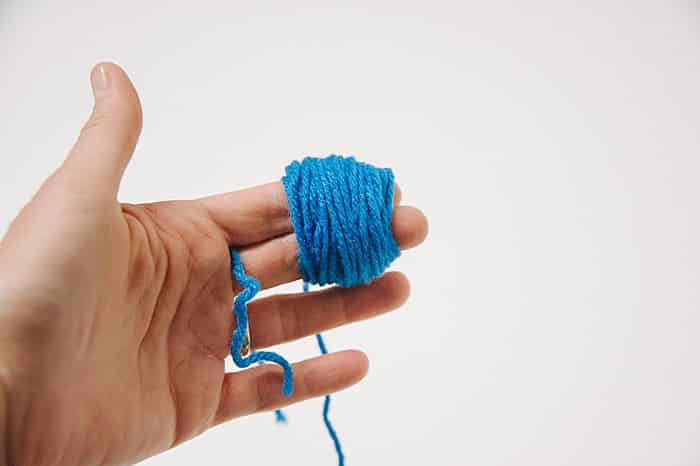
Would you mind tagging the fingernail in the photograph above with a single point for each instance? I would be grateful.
(99, 78)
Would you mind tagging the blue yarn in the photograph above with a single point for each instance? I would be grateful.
(240, 308)
(326, 408)
(280, 417)
(341, 213)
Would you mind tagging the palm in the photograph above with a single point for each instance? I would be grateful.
(124, 346)
(178, 297)
(126, 312)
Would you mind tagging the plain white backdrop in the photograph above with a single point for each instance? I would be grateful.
(554, 146)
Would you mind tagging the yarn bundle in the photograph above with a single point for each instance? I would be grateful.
(341, 213)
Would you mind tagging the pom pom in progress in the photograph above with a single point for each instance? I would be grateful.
(341, 212)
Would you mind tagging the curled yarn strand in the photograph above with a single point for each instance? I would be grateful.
(240, 308)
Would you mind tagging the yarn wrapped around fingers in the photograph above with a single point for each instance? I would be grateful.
(341, 211)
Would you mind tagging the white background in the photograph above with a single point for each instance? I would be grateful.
(555, 148)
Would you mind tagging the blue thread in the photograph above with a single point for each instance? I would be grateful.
(341, 213)
(240, 308)
(280, 417)
(327, 408)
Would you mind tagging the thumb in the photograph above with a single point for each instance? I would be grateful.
(105, 145)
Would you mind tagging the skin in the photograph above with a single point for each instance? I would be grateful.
(115, 319)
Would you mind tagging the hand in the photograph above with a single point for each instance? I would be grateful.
(115, 319)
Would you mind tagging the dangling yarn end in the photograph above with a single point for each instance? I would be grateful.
(280, 417)
(326, 409)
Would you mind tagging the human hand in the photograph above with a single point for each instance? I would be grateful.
(115, 319)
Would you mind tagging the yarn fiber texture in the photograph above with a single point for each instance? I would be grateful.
(341, 212)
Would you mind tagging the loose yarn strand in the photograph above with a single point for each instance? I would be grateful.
(326, 409)
(240, 308)
(327, 400)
